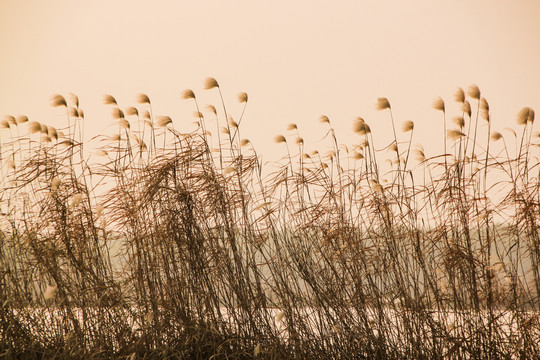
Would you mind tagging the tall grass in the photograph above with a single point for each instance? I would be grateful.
(170, 244)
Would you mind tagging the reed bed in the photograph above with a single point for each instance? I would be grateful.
(164, 244)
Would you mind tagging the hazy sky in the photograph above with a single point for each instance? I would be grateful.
(297, 60)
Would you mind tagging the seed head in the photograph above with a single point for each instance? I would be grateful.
(324, 119)
(58, 100)
(438, 104)
(244, 142)
(52, 132)
(55, 183)
(474, 92)
(50, 292)
(21, 119)
(188, 94)
(109, 100)
(210, 83)
(359, 126)
(454, 134)
(131, 111)
(382, 103)
(375, 186)
(74, 99)
(124, 124)
(357, 156)
(496, 136)
(233, 123)
(279, 316)
(419, 154)
(163, 121)
(524, 115)
(460, 95)
(466, 108)
(243, 97)
(143, 99)
(34, 127)
(117, 114)
(280, 139)
(459, 121)
(407, 126)
(212, 108)
(76, 200)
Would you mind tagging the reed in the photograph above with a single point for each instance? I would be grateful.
(175, 250)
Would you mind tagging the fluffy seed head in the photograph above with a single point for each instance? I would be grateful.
(117, 114)
(244, 142)
(34, 127)
(243, 97)
(145, 114)
(143, 99)
(163, 121)
(4, 124)
(530, 118)
(407, 126)
(496, 136)
(50, 292)
(474, 92)
(291, 127)
(188, 94)
(454, 134)
(438, 104)
(375, 186)
(21, 119)
(73, 112)
(212, 108)
(299, 141)
(459, 121)
(55, 183)
(58, 100)
(131, 111)
(74, 99)
(11, 120)
(76, 200)
(52, 132)
(419, 154)
(233, 123)
(382, 103)
(324, 119)
(279, 316)
(280, 139)
(357, 156)
(124, 124)
(109, 100)
(460, 95)
(466, 108)
(524, 115)
(210, 83)
(359, 126)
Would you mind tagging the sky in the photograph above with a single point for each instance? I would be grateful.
(297, 60)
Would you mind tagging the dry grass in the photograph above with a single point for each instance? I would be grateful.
(169, 246)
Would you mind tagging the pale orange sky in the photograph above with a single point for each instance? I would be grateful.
(296, 59)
